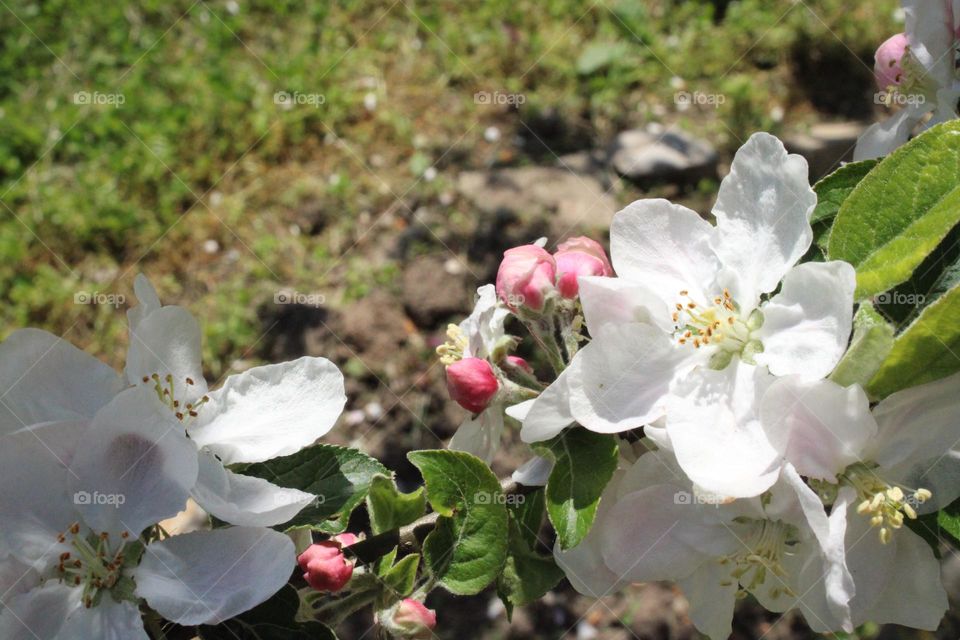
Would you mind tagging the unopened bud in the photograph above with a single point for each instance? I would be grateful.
(324, 566)
(577, 257)
(472, 383)
(526, 277)
(888, 62)
(519, 363)
(413, 620)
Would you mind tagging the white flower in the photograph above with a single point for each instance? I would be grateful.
(655, 525)
(930, 84)
(478, 336)
(265, 412)
(75, 530)
(880, 467)
(693, 299)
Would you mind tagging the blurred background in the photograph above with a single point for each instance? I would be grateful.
(336, 179)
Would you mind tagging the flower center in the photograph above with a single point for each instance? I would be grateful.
(453, 349)
(884, 504)
(720, 325)
(166, 391)
(94, 564)
(763, 551)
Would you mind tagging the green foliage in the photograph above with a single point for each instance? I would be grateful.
(901, 211)
(926, 351)
(390, 509)
(400, 578)
(871, 343)
(584, 462)
(831, 192)
(338, 476)
(270, 620)
(467, 549)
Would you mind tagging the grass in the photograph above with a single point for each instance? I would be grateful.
(222, 196)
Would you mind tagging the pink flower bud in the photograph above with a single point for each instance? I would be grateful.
(579, 257)
(525, 277)
(325, 567)
(413, 620)
(520, 363)
(888, 62)
(346, 539)
(472, 383)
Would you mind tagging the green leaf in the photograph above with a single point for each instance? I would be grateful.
(527, 575)
(390, 509)
(468, 546)
(872, 341)
(270, 620)
(528, 510)
(834, 189)
(338, 476)
(584, 463)
(599, 55)
(929, 349)
(401, 577)
(900, 211)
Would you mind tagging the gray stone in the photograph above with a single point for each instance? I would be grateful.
(825, 145)
(660, 155)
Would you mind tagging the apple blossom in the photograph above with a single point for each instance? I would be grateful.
(472, 383)
(656, 525)
(880, 467)
(928, 78)
(690, 297)
(580, 256)
(265, 412)
(78, 527)
(526, 277)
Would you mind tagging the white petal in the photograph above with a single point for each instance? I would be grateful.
(870, 562)
(549, 413)
(109, 620)
(711, 603)
(520, 410)
(620, 380)
(34, 501)
(534, 472)
(210, 576)
(44, 378)
(244, 500)
(38, 613)
(929, 409)
(271, 411)
(135, 466)
(807, 325)
(914, 596)
(714, 428)
(618, 300)
(763, 213)
(665, 247)
(829, 534)
(167, 342)
(646, 535)
(147, 298)
(484, 326)
(881, 138)
(480, 435)
(817, 425)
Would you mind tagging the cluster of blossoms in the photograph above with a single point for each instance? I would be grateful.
(918, 71)
(94, 462)
(744, 469)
